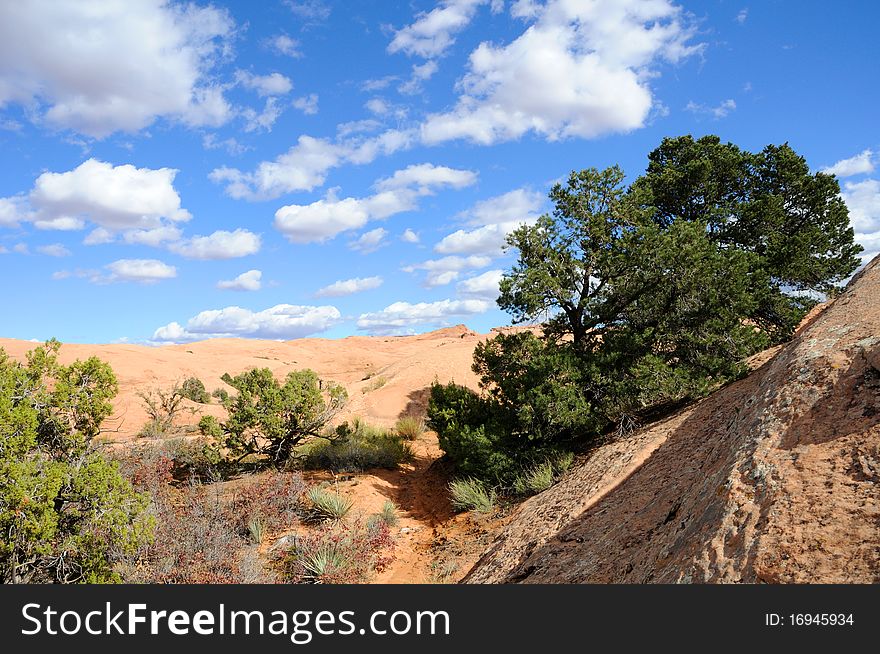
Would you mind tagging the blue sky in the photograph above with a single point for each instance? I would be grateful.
(173, 172)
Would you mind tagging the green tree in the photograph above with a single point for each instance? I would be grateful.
(269, 418)
(66, 514)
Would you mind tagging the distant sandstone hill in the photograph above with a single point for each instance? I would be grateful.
(385, 376)
(775, 478)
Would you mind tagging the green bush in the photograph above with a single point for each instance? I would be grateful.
(535, 480)
(193, 389)
(210, 426)
(410, 427)
(197, 457)
(66, 513)
(387, 515)
(270, 419)
(357, 448)
(220, 394)
(324, 505)
(471, 494)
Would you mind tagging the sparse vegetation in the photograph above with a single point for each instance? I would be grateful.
(339, 553)
(388, 514)
(66, 514)
(375, 384)
(271, 419)
(325, 505)
(163, 408)
(221, 395)
(210, 426)
(357, 447)
(194, 390)
(471, 494)
(410, 427)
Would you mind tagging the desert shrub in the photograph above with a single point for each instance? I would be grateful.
(66, 513)
(324, 505)
(410, 427)
(357, 447)
(202, 534)
(339, 553)
(536, 479)
(375, 384)
(163, 408)
(388, 514)
(471, 494)
(193, 457)
(220, 394)
(271, 419)
(194, 390)
(210, 426)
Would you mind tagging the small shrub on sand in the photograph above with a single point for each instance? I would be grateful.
(410, 428)
(210, 426)
(536, 479)
(356, 448)
(375, 384)
(193, 389)
(471, 495)
(325, 505)
(388, 514)
(339, 553)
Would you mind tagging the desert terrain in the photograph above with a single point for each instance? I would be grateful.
(773, 478)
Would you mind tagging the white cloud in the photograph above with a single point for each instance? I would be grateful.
(446, 270)
(426, 177)
(433, 32)
(496, 218)
(21, 248)
(369, 241)
(115, 198)
(13, 211)
(143, 271)
(262, 121)
(284, 45)
(153, 237)
(863, 201)
(742, 16)
(326, 218)
(309, 10)
(98, 68)
(99, 236)
(409, 236)
(231, 144)
(420, 73)
(61, 223)
(586, 66)
(264, 85)
(400, 316)
(860, 164)
(283, 321)
(308, 104)
(221, 244)
(719, 111)
(246, 281)
(301, 168)
(54, 250)
(349, 286)
(483, 286)
(377, 106)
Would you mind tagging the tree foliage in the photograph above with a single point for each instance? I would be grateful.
(66, 514)
(648, 295)
(270, 419)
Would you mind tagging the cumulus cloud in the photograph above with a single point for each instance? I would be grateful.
(719, 111)
(349, 286)
(494, 219)
(409, 236)
(400, 316)
(369, 241)
(433, 32)
(446, 270)
(283, 321)
(54, 250)
(284, 45)
(483, 286)
(308, 104)
(113, 197)
(246, 281)
(263, 85)
(262, 121)
(113, 66)
(861, 163)
(143, 271)
(586, 65)
(863, 201)
(326, 218)
(221, 244)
